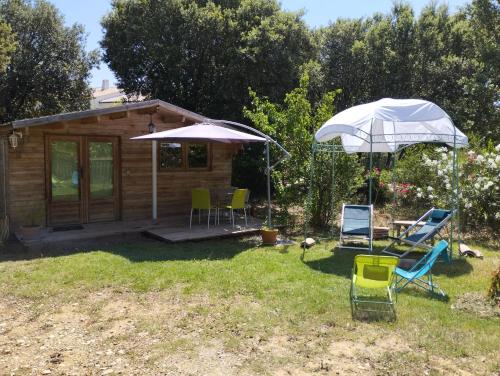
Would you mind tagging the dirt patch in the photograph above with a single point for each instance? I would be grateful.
(120, 332)
(477, 304)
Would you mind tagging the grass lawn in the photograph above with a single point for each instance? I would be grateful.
(232, 307)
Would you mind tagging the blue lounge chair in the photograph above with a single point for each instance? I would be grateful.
(356, 224)
(435, 221)
(421, 269)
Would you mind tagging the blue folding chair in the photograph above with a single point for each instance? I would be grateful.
(435, 221)
(356, 224)
(421, 269)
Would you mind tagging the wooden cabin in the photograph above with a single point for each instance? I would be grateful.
(82, 167)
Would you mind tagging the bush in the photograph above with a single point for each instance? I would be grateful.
(293, 125)
(348, 180)
(494, 290)
(428, 173)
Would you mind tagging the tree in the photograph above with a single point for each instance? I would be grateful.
(482, 83)
(7, 45)
(49, 71)
(343, 61)
(293, 125)
(452, 60)
(203, 55)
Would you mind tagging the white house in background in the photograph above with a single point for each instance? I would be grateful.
(109, 96)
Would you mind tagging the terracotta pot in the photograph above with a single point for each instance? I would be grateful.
(30, 232)
(269, 236)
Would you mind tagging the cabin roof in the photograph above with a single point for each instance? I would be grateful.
(68, 116)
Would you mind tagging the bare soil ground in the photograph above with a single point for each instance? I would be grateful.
(168, 333)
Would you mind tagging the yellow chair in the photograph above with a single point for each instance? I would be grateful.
(373, 272)
(238, 203)
(200, 200)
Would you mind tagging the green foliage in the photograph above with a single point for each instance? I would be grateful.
(7, 45)
(203, 55)
(293, 125)
(450, 59)
(494, 289)
(429, 172)
(327, 196)
(49, 70)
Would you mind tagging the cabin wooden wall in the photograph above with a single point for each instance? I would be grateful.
(26, 167)
(3, 176)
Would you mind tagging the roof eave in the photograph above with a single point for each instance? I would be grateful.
(18, 124)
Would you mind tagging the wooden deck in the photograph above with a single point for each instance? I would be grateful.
(201, 232)
(172, 230)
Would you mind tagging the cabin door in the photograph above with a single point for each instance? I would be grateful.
(82, 179)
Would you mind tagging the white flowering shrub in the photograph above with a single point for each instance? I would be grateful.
(479, 177)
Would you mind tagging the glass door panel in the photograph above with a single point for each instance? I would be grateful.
(65, 174)
(64, 180)
(102, 200)
(101, 170)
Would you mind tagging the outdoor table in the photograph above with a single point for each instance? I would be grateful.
(221, 197)
(398, 224)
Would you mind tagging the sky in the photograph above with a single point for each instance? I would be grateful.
(317, 13)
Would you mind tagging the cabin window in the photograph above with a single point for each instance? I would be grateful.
(170, 155)
(197, 155)
(180, 157)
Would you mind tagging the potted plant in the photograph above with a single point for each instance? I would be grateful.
(33, 223)
(269, 235)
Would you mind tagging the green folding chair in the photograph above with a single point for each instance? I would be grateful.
(200, 200)
(373, 273)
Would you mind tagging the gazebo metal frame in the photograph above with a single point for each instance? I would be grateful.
(404, 140)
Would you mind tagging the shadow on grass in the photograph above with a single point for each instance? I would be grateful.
(339, 263)
(416, 292)
(136, 249)
(206, 250)
(342, 260)
(369, 309)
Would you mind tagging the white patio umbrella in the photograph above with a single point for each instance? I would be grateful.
(203, 132)
(207, 131)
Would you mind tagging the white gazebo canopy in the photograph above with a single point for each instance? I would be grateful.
(206, 132)
(388, 124)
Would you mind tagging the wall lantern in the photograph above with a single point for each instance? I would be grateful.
(14, 138)
(151, 125)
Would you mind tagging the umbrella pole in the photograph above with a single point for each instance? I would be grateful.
(269, 222)
(154, 173)
(455, 195)
(332, 198)
(308, 213)
(371, 166)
